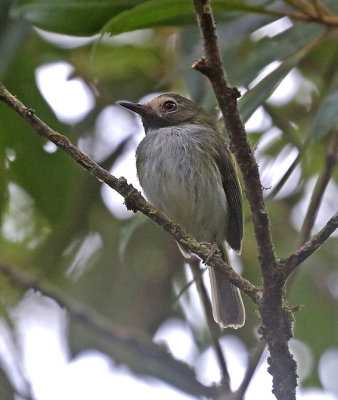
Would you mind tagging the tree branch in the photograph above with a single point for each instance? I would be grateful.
(318, 192)
(291, 263)
(211, 65)
(275, 320)
(316, 199)
(253, 364)
(133, 199)
(135, 350)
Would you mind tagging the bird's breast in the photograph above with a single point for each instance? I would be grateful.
(179, 175)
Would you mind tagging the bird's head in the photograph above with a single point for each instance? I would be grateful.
(170, 109)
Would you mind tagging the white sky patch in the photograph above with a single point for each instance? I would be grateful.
(18, 220)
(287, 89)
(261, 382)
(85, 254)
(11, 358)
(315, 394)
(70, 99)
(10, 154)
(273, 170)
(50, 147)
(236, 356)
(259, 121)
(303, 356)
(113, 125)
(326, 210)
(328, 367)
(267, 139)
(126, 167)
(176, 334)
(189, 299)
(273, 29)
(264, 72)
(332, 283)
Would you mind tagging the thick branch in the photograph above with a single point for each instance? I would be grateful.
(126, 346)
(276, 322)
(133, 199)
(305, 251)
(211, 65)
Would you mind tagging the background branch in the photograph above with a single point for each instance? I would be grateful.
(214, 329)
(310, 247)
(318, 192)
(136, 351)
(253, 364)
(313, 207)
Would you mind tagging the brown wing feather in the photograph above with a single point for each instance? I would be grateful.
(233, 194)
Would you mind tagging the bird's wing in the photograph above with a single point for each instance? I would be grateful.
(226, 165)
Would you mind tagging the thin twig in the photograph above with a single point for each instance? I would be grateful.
(291, 263)
(284, 178)
(133, 199)
(253, 364)
(316, 199)
(137, 350)
(331, 21)
(214, 329)
(318, 192)
(188, 284)
(302, 5)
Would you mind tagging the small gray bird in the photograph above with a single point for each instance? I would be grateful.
(187, 171)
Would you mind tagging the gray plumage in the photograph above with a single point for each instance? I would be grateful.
(187, 171)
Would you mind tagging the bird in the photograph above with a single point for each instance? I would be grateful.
(187, 171)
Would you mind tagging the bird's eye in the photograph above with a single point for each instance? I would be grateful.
(169, 106)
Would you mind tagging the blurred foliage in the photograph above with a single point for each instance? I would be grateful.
(52, 212)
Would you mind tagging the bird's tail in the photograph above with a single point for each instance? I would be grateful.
(227, 305)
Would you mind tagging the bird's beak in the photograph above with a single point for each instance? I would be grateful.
(137, 108)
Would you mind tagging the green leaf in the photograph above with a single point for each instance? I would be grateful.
(172, 12)
(87, 17)
(252, 55)
(76, 17)
(327, 117)
(42, 175)
(263, 90)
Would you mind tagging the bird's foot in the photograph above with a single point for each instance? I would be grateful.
(129, 200)
(212, 249)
